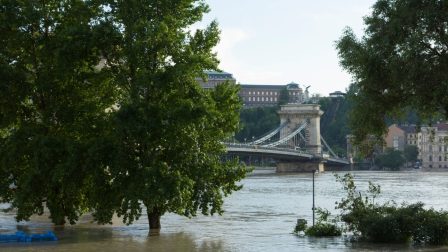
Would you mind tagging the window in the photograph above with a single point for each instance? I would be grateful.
(249, 93)
(440, 158)
(395, 143)
(262, 92)
(258, 98)
(430, 158)
(262, 98)
(275, 98)
(250, 98)
(430, 147)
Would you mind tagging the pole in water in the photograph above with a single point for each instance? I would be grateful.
(313, 196)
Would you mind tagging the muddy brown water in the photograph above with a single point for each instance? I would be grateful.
(260, 217)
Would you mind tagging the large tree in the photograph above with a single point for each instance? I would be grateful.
(51, 105)
(165, 149)
(400, 62)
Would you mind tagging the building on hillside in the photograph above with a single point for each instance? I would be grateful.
(260, 95)
(337, 94)
(256, 95)
(433, 146)
(269, 95)
(214, 78)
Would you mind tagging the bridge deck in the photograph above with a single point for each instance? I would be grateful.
(282, 153)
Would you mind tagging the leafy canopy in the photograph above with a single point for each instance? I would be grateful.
(167, 133)
(400, 62)
(100, 110)
(52, 102)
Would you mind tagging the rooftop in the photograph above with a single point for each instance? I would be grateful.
(216, 72)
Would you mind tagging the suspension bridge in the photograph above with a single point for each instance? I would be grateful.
(296, 144)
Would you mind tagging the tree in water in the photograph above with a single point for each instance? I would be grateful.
(400, 62)
(51, 105)
(165, 149)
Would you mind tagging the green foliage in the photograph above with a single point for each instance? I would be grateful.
(324, 226)
(391, 158)
(323, 230)
(402, 52)
(300, 226)
(52, 103)
(388, 222)
(410, 153)
(334, 123)
(167, 133)
(100, 111)
(256, 122)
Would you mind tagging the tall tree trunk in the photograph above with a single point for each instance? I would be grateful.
(154, 220)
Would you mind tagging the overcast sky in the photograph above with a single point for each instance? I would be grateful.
(280, 41)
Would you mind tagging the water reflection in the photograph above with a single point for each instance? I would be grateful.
(260, 217)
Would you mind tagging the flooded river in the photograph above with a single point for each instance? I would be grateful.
(260, 217)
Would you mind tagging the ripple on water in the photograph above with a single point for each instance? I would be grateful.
(260, 217)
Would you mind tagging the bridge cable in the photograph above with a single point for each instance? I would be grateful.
(269, 135)
(288, 137)
(328, 147)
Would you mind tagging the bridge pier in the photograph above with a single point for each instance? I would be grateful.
(311, 166)
(295, 115)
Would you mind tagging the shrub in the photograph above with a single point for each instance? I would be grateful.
(388, 222)
(324, 226)
(300, 226)
(323, 229)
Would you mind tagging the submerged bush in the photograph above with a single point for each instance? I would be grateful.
(388, 222)
(324, 226)
(323, 230)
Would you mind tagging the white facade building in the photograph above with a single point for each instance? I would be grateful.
(433, 147)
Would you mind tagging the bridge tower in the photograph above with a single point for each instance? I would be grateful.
(295, 115)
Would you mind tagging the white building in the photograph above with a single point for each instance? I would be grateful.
(433, 147)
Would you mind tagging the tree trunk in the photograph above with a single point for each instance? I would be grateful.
(153, 220)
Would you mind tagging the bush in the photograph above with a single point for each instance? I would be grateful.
(324, 226)
(388, 222)
(323, 229)
(300, 226)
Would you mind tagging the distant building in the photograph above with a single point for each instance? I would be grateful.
(398, 136)
(433, 146)
(269, 95)
(260, 95)
(337, 94)
(431, 141)
(214, 78)
(257, 95)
